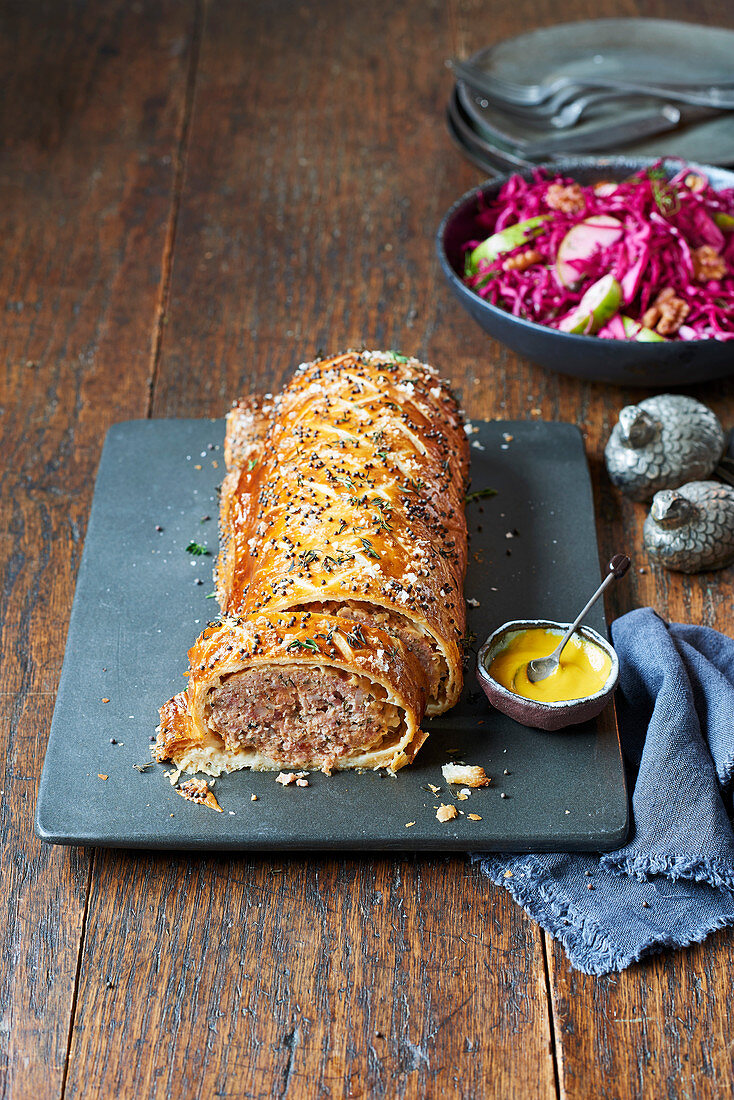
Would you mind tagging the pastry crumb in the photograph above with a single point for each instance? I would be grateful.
(197, 790)
(299, 778)
(469, 775)
(446, 813)
(100, 776)
(474, 603)
(474, 817)
(409, 823)
(253, 798)
(105, 700)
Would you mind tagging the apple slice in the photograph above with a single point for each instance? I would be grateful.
(582, 241)
(724, 221)
(614, 329)
(633, 330)
(504, 241)
(600, 302)
(605, 188)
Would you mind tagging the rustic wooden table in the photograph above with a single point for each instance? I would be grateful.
(197, 195)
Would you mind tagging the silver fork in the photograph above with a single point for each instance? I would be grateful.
(532, 95)
(570, 112)
(566, 107)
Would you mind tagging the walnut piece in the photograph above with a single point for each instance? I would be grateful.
(469, 775)
(446, 813)
(707, 264)
(667, 313)
(694, 182)
(522, 260)
(197, 790)
(569, 200)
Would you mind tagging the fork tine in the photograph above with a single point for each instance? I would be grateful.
(496, 88)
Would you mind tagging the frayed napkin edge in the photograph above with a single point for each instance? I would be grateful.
(713, 872)
(587, 947)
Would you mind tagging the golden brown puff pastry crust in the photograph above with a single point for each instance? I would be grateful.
(289, 641)
(347, 488)
(358, 495)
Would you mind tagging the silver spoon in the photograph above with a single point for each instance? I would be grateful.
(540, 668)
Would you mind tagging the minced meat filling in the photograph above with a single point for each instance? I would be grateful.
(297, 714)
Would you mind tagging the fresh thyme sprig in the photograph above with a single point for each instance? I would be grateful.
(479, 494)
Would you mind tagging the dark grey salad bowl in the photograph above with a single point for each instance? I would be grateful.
(620, 362)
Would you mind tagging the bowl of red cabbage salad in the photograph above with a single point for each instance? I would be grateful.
(646, 259)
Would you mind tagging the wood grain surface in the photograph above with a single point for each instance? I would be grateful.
(196, 196)
(91, 122)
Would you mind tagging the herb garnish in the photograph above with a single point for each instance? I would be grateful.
(369, 548)
(666, 198)
(479, 494)
(307, 643)
(196, 549)
(251, 464)
(397, 357)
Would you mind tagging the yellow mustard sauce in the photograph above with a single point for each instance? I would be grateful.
(584, 667)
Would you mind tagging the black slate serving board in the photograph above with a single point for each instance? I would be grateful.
(139, 606)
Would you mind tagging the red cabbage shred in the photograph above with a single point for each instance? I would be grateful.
(664, 221)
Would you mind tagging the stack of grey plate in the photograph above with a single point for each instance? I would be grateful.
(636, 87)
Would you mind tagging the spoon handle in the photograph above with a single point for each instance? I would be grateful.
(618, 566)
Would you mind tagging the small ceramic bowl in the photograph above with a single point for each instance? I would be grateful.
(531, 712)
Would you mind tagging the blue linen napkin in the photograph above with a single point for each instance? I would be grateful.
(673, 882)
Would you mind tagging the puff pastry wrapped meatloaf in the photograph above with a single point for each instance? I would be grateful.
(340, 575)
